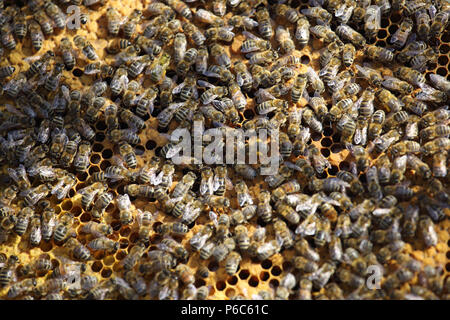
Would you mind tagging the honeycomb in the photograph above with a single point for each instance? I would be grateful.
(252, 275)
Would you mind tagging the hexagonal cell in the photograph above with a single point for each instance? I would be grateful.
(221, 285)
(97, 266)
(253, 281)
(230, 292)
(243, 274)
(66, 205)
(276, 271)
(106, 273)
(264, 276)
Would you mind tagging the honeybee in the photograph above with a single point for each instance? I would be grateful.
(212, 93)
(243, 76)
(283, 233)
(172, 246)
(423, 23)
(302, 31)
(271, 105)
(439, 23)
(7, 37)
(20, 177)
(7, 271)
(81, 160)
(104, 244)
(264, 22)
(437, 145)
(133, 257)
(303, 248)
(157, 69)
(114, 21)
(439, 164)
(232, 263)
(283, 37)
(315, 81)
(428, 232)
(349, 34)
(129, 26)
(208, 17)
(220, 34)
(264, 209)
(371, 75)
(189, 59)
(37, 193)
(404, 147)
(379, 53)
(193, 33)
(125, 210)
(62, 227)
(322, 16)
(243, 194)
(267, 249)
(397, 85)
(85, 46)
(400, 36)
(78, 251)
(284, 11)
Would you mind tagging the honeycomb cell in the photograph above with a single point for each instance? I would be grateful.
(327, 131)
(274, 283)
(100, 125)
(305, 59)
(213, 266)
(221, 285)
(326, 142)
(45, 246)
(253, 281)
(276, 271)
(382, 34)
(104, 164)
(125, 231)
(336, 148)
(392, 28)
(77, 72)
(333, 170)
(315, 136)
(266, 264)
(76, 211)
(82, 176)
(106, 273)
(150, 145)
(264, 276)
(230, 292)
(442, 71)
(95, 159)
(109, 260)
(249, 114)
(444, 49)
(85, 217)
(97, 266)
(97, 147)
(326, 152)
(443, 60)
(107, 154)
(66, 205)
(134, 237)
(100, 137)
(243, 274)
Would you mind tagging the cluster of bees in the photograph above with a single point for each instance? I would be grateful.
(174, 62)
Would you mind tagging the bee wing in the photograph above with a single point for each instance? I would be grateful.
(264, 95)
(213, 217)
(178, 88)
(249, 35)
(205, 84)
(157, 179)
